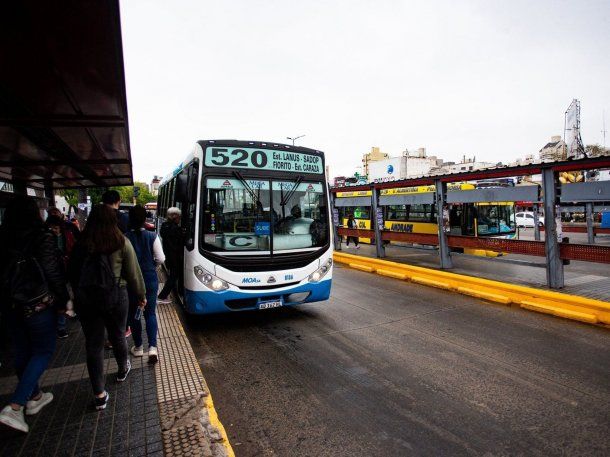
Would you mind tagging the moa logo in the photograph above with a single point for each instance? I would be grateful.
(250, 280)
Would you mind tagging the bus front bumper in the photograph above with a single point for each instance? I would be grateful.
(209, 302)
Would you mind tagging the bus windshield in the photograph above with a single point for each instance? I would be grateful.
(261, 216)
(495, 219)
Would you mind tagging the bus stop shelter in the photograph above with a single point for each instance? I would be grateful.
(63, 106)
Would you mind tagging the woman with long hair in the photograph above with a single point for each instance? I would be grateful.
(103, 266)
(32, 292)
(150, 254)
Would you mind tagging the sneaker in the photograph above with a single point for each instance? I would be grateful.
(137, 351)
(358, 247)
(100, 403)
(152, 354)
(128, 332)
(14, 419)
(63, 333)
(33, 406)
(122, 375)
(164, 301)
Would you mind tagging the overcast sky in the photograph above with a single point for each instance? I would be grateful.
(485, 78)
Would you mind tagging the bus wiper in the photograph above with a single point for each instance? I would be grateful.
(291, 192)
(241, 179)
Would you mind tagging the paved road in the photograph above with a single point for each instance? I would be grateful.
(389, 368)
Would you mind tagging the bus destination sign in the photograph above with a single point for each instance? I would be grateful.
(263, 159)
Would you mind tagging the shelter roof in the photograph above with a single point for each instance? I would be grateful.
(63, 108)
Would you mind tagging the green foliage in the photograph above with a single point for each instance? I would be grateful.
(126, 193)
(144, 197)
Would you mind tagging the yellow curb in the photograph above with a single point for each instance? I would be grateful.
(583, 317)
(556, 303)
(358, 266)
(215, 421)
(486, 295)
(431, 282)
(392, 274)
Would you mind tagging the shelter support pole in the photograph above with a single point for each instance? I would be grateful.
(19, 187)
(82, 203)
(49, 193)
(536, 221)
(441, 213)
(554, 264)
(378, 224)
(590, 232)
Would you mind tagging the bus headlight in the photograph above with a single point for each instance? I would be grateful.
(209, 280)
(321, 272)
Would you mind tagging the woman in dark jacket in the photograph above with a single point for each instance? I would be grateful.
(23, 238)
(101, 238)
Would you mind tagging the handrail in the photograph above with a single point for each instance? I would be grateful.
(568, 251)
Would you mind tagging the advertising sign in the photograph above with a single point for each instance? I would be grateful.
(263, 159)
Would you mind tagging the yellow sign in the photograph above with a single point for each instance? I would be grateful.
(424, 189)
(411, 227)
(355, 193)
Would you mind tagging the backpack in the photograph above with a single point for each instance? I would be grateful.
(98, 288)
(25, 281)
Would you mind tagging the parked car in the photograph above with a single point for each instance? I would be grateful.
(526, 219)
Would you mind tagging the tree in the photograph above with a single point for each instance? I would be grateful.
(596, 150)
(126, 193)
(144, 196)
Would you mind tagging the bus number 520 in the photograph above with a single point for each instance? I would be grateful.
(238, 158)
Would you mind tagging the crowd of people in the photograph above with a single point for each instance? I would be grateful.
(104, 275)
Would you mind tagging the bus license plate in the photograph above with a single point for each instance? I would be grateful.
(270, 304)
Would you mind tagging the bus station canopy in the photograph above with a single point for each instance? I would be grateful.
(63, 108)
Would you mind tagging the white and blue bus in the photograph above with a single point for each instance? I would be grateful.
(256, 220)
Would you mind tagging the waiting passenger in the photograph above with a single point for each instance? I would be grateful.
(150, 254)
(112, 199)
(65, 241)
(32, 291)
(102, 267)
(173, 247)
(352, 224)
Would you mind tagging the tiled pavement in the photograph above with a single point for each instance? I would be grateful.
(163, 409)
(70, 426)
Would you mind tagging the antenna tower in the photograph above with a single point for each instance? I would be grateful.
(571, 131)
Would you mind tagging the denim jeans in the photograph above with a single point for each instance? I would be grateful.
(150, 312)
(34, 343)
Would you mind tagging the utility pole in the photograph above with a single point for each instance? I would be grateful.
(604, 127)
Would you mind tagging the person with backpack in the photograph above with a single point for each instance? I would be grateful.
(32, 291)
(103, 266)
(150, 254)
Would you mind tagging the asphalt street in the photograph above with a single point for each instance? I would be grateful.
(390, 368)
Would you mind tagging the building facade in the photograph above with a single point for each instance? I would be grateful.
(554, 150)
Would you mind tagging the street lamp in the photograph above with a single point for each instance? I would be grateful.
(294, 139)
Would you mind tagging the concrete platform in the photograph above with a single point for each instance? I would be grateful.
(586, 279)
